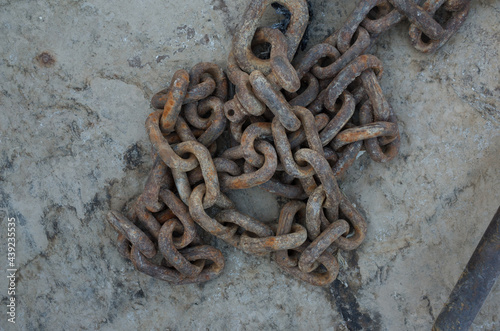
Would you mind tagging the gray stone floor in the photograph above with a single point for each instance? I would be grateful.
(73, 146)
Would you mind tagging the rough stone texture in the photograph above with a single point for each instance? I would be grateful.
(73, 146)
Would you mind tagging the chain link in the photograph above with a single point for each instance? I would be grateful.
(295, 123)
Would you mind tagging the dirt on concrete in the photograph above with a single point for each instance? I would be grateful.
(77, 78)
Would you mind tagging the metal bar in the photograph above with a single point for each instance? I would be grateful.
(475, 283)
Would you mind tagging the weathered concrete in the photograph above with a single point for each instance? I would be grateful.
(73, 146)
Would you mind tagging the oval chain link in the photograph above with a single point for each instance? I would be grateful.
(293, 125)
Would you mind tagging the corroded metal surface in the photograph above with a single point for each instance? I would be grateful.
(295, 125)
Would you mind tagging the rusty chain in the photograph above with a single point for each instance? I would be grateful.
(295, 125)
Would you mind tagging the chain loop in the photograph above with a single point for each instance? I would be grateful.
(452, 25)
(242, 43)
(292, 130)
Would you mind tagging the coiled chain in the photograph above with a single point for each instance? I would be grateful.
(293, 126)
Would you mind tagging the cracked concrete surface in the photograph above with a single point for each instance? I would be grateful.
(77, 78)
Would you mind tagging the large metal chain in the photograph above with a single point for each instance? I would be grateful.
(296, 124)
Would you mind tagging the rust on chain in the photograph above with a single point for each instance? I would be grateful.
(252, 132)
(244, 124)
(172, 255)
(324, 173)
(217, 121)
(361, 43)
(180, 210)
(347, 76)
(420, 17)
(346, 158)
(313, 56)
(158, 177)
(192, 115)
(200, 91)
(377, 152)
(207, 168)
(256, 178)
(279, 70)
(418, 36)
(285, 153)
(381, 18)
(298, 137)
(347, 31)
(317, 277)
(222, 165)
(205, 79)
(320, 244)
(308, 122)
(200, 70)
(174, 100)
(225, 232)
(362, 132)
(285, 190)
(357, 223)
(292, 130)
(309, 94)
(181, 125)
(182, 184)
(289, 262)
(308, 184)
(256, 245)
(314, 212)
(242, 42)
(246, 222)
(456, 5)
(244, 93)
(164, 149)
(123, 246)
(374, 92)
(274, 100)
(144, 217)
(132, 233)
(173, 276)
(234, 111)
(183, 131)
(340, 119)
(164, 215)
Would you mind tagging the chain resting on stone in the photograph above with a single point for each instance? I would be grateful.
(293, 127)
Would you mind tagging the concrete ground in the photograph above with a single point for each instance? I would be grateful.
(73, 146)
